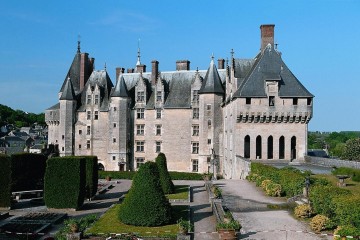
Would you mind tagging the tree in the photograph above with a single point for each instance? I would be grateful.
(146, 204)
(352, 150)
(165, 179)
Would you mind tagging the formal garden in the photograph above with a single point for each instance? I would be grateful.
(331, 206)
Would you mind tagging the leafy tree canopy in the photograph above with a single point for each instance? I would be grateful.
(19, 118)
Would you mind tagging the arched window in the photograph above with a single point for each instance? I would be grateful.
(281, 147)
(270, 147)
(258, 147)
(101, 167)
(247, 146)
(293, 148)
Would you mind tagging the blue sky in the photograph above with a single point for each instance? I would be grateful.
(319, 41)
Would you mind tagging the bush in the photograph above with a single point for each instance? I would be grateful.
(82, 223)
(146, 204)
(352, 150)
(322, 197)
(65, 182)
(351, 172)
(319, 223)
(273, 190)
(5, 181)
(91, 176)
(27, 171)
(265, 183)
(347, 210)
(165, 179)
(347, 230)
(303, 211)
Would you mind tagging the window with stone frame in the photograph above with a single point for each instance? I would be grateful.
(195, 130)
(88, 144)
(195, 165)
(88, 101)
(88, 130)
(195, 96)
(140, 96)
(96, 99)
(140, 129)
(158, 130)
(140, 146)
(158, 113)
(195, 147)
(80, 132)
(159, 96)
(114, 140)
(195, 113)
(140, 113)
(209, 140)
(79, 146)
(248, 100)
(88, 117)
(271, 101)
(295, 101)
(158, 147)
(208, 107)
(139, 162)
(96, 115)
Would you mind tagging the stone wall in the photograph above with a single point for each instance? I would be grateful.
(330, 162)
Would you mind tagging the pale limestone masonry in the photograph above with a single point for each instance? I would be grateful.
(217, 119)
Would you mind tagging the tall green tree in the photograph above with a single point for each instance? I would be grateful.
(352, 150)
(165, 178)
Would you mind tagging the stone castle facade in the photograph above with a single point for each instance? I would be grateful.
(203, 120)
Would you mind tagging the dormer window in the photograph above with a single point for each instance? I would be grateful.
(92, 88)
(96, 99)
(140, 96)
(88, 101)
(195, 95)
(158, 96)
(271, 101)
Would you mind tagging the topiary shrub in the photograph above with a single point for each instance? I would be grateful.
(303, 211)
(91, 170)
(5, 181)
(165, 179)
(27, 171)
(319, 223)
(65, 182)
(146, 204)
(346, 230)
(347, 210)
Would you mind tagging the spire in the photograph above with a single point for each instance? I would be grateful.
(68, 93)
(138, 63)
(120, 89)
(78, 48)
(212, 81)
(105, 66)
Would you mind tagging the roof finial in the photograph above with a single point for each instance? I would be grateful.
(227, 61)
(79, 37)
(232, 53)
(138, 63)
(105, 66)
(276, 46)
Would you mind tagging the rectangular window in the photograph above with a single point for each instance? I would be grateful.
(88, 144)
(80, 132)
(96, 99)
(158, 129)
(114, 109)
(248, 100)
(195, 95)
(140, 146)
(88, 130)
(309, 101)
(140, 129)
(113, 158)
(195, 130)
(158, 113)
(139, 162)
(158, 147)
(140, 113)
(63, 137)
(88, 117)
(96, 115)
(209, 141)
(158, 96)
(114, 125)
(195, 113)
(88, 99)
(195, 147)
(63, 149)
(295, 101)
(79, 146)
(195, 165)
(140, 96)
(208, 107)
(271, 101)
(208, 159)
(114, 140)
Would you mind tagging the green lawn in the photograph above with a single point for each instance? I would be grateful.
(181, 192)
(109, 223)
(354, 187)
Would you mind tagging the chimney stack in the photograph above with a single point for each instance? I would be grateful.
(267, 35)
(119, 71)
(154, 71)
(130, 70)
(182, 65)
(221, 63)
(141, 68)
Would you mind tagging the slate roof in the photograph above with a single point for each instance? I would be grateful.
(54, 107)
(268, 65)
(68, 91)
(120, 89)
(212, 82)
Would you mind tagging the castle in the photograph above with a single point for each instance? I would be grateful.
(203, 120)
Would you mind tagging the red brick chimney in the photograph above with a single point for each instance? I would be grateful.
(267, 35)
(182, 65)
(221, 63)
(119, 70)
(154, 71)
(141, 68)
(84, 59)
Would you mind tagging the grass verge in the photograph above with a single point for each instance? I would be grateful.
(181, 192)
(353, 186)
(109, 223)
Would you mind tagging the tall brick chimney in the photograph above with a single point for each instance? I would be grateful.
(267, 35)
(84, 59)
(182, 65)
(141, 68)
(221, 63)
(119, 71)
(154, 71)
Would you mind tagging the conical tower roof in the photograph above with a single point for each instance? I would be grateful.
(212, 82)
(68, 92)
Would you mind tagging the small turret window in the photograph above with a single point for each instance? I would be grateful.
(158, 96)
(309, 101)
(196, 95)
(271, 101)
(248, 100)
(295, 101)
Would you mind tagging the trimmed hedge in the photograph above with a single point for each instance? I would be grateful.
(347, 210)
(91, 170)
(130, 174)
(165, 179)
(65, 182)
(146, 204)
(5, 181)
(27, 171)
(351, 172)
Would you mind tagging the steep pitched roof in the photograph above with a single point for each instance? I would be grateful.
(268, 65)
(120, 89)
(212, 82)
(68, 91)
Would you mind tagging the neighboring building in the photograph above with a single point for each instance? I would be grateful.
(37, 148)
(13, 144)
(247, 109)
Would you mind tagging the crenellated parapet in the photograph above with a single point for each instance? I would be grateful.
(274, 117)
